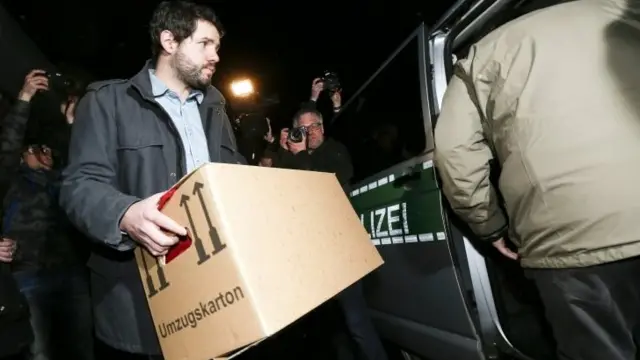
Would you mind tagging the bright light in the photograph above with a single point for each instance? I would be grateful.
(242, 88)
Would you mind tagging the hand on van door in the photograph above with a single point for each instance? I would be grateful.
(146, 225)
(7, 250)
(502, 247)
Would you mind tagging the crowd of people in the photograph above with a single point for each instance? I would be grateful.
(78, 197)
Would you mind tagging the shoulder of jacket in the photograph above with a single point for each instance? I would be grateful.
(337, 145)
(216, 95)
(98, 85)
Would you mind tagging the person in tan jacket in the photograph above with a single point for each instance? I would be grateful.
(553, 99)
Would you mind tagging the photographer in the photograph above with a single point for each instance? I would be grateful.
(305, 147)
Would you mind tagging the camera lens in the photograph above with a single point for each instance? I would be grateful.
(296, 135)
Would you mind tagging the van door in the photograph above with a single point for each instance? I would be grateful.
(417, 298)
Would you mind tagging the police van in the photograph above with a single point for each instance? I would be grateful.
(440, 294)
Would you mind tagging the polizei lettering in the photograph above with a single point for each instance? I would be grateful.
(387, 222)
(201, 311)
(389, 225)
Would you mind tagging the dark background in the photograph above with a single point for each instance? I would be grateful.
(280, 45)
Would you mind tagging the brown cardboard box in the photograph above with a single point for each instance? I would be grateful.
(269, 245)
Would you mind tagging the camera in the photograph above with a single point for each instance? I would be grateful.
(331, 81)
(59, 82)
(297, 134)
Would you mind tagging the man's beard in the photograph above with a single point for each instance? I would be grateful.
(188, 72)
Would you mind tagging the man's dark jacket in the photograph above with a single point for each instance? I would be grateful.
(331, 157)
(124, 147)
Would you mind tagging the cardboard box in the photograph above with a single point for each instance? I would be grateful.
(268, 245)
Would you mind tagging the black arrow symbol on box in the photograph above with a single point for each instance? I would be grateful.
(202, 255)
(150, 286)
(213, 233)
(161, 278)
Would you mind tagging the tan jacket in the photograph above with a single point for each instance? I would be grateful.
(554, 97)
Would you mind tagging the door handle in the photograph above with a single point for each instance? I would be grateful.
(406, 179)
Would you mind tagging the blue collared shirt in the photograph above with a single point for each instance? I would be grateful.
(186, 117)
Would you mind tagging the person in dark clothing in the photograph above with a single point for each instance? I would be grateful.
(251, 134)
(317, 153)
(135, 138)
(46, 263)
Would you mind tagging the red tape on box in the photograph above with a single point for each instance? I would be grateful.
(184, 241)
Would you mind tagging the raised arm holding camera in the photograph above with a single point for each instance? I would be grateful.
(330, 83)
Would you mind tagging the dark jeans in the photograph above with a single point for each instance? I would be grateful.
(594, 311)
(60, 313)
(359, 324)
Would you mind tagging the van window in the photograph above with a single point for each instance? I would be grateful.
(384, 124)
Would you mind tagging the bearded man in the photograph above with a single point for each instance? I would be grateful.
(131, 141)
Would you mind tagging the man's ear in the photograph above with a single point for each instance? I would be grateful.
(168, 42)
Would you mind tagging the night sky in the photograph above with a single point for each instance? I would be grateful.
(281, 45)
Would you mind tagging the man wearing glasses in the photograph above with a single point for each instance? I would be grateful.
(316, 153)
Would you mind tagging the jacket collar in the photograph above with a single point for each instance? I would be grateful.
(142, 82)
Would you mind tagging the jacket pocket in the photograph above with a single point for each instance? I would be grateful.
(139, 139)
(139, 145)
(229, 155)
(112, 264)
(228, 149)
(140, 161)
